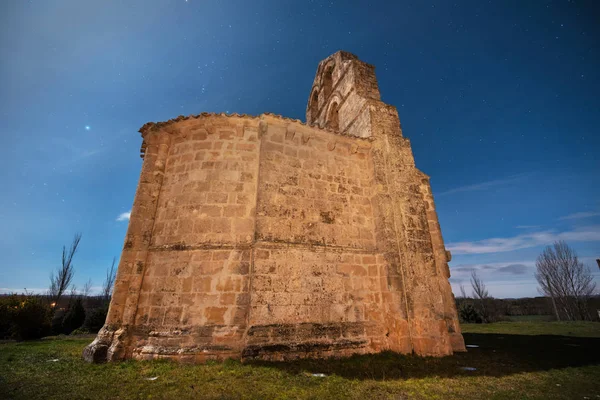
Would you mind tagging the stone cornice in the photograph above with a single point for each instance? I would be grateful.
(154, 126)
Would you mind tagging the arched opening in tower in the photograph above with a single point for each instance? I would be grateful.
(333, 119)
(327, 83)
(314, 106)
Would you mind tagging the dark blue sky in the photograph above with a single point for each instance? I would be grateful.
(500, 99)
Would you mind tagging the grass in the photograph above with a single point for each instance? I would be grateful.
(514, 360)
(531, 318)
(528, 327)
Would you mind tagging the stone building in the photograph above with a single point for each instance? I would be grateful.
(265, 237)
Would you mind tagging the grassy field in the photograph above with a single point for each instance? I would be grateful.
(531, 318)
(514, 360)
(529, 327)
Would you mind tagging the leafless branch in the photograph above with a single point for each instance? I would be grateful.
(479, 290)
(60, 281)
(463, 292)
(481, 294)
(109, 282)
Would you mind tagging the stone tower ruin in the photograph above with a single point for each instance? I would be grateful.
(265, 237)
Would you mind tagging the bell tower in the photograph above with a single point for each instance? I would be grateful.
(345, 96)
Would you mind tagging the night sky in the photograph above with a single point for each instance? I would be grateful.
(500, 99)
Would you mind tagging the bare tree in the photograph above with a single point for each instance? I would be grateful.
(60, 282)
(85, 292)
(462, 300)
(565, 280)
(463, 292)
(87, 288)
(109, 282)
(479, 289)
(73, 294)
(481, 294)
(544, 273)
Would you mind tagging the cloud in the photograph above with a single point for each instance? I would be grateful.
(469, 268)
(581, 215)
(543, 238)
(512, 279)
(527, 226)
(489, 184)
(23, 290)
(463, 269)
(502, 279)
(94, 290)
(512, 289)
(124, 216)
(515, 269)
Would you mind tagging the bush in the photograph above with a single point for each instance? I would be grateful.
(74, 317)
(80, 331)
(469, 314)
(30, 319)
(95, 319)
(57, 320)
(8, 306)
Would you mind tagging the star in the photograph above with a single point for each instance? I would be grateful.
(87, 128)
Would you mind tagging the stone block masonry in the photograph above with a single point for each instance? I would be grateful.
(263, 237)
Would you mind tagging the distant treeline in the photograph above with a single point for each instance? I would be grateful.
(30, 316)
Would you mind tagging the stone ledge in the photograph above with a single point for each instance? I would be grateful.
(153, 126)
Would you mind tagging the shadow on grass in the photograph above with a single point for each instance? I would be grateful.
(497, 355)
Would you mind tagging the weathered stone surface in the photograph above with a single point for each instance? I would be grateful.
(262, 237)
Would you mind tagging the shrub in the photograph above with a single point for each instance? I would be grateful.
(80, 331)
(8, 306)
(469, 314)
(95, 319)
(74, 317)
(31, 319)
(57, 320)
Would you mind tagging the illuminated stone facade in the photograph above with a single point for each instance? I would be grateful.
(264, 237)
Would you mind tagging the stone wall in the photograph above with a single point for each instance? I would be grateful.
(315, 188)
